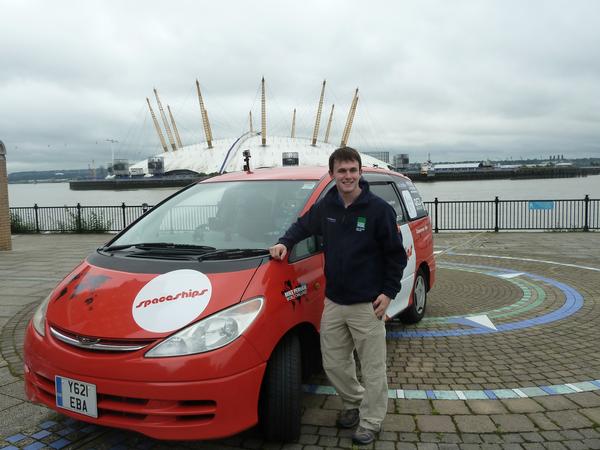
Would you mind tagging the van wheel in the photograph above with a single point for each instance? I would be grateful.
(281, 393)
(415, 312)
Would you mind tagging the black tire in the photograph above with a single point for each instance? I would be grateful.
(416, 311)
(280, 406)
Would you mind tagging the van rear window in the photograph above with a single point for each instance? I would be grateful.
(412, 199)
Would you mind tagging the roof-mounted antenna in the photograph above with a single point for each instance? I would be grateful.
(205, 122)
(318, 119)
(165, 121)
(293, 135)
(157, 127)
(329, 125)
(263, 125)
(179, 144)
(350, 119)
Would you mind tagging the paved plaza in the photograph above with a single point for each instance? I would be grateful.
(507, 356)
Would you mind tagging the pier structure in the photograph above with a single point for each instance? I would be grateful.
(506, 356)
(5, 240)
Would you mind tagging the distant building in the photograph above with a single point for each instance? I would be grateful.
(383, 156)
(401, 161)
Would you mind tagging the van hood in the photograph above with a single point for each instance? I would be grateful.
(101, 303)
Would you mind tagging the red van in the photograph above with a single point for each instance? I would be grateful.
(182, 328)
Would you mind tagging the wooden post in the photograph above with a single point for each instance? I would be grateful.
(5, 241)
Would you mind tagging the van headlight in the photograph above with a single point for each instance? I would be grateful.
(39, 317)
(210, 333)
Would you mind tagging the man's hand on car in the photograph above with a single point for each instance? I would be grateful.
(278, 251)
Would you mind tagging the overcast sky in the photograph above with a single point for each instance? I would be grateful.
(457, 79)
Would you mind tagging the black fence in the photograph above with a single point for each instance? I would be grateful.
(515, 215)
(481, 215)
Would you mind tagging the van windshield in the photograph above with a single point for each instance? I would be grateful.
(226, 215)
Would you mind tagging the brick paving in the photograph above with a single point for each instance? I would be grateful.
(559, 353)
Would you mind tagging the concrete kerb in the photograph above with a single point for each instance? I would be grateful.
(569, 417)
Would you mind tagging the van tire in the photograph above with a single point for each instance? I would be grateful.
(416, 311)
(280, 406)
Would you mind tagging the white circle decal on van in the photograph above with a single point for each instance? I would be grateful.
(171, 300)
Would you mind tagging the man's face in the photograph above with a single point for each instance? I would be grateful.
(346, 175)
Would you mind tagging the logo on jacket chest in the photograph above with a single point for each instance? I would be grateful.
(361, 223)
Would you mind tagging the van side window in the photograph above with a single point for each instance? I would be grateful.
(304, 249)
(412, 199)
(386, 191)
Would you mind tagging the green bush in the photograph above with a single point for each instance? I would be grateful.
(94, 223)
(19, 225)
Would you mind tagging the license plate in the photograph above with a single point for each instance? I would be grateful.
(76, 396)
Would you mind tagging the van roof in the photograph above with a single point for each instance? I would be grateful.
(288, 173)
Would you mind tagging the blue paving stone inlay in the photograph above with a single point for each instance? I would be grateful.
(415, 395)
(15, 438)
(47, 424)
(34, 446)
(585, 386)
(475, 395)
(533, 391)
(10, 447)
(548, 390)
(65, 431)
(63, 442)
(41, 434)
(446, 395)
(490, 394)
(505, 393)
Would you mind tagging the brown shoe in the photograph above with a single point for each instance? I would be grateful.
(363, 436)
(348, 418)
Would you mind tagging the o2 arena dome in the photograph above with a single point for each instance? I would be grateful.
(227, 155)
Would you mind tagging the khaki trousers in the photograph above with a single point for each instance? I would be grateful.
(344, 328)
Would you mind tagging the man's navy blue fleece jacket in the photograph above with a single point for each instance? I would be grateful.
(364, 255)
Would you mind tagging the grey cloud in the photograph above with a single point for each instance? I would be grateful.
(465, 79)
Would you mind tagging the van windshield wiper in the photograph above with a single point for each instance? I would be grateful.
(234, 253)
(161, 247)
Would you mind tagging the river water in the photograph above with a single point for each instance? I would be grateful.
(59, 194)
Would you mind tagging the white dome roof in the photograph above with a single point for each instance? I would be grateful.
(226, 154)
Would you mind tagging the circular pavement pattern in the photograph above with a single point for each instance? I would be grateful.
(493, 331)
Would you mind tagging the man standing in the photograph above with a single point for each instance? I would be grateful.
(364, 261)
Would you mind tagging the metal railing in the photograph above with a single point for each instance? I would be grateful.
(515, 215)
(75, 219)
(480, 215)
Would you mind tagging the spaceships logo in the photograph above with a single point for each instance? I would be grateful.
(171, 300)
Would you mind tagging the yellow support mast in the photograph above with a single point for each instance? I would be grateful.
(293, 135)
(157, 127)
(179, 144)
(318, 119)
(263, 122)
(350, 119)
(205, 122)
(329, 125)
(165, 122)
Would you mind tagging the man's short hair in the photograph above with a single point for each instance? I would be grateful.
(344, 154)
